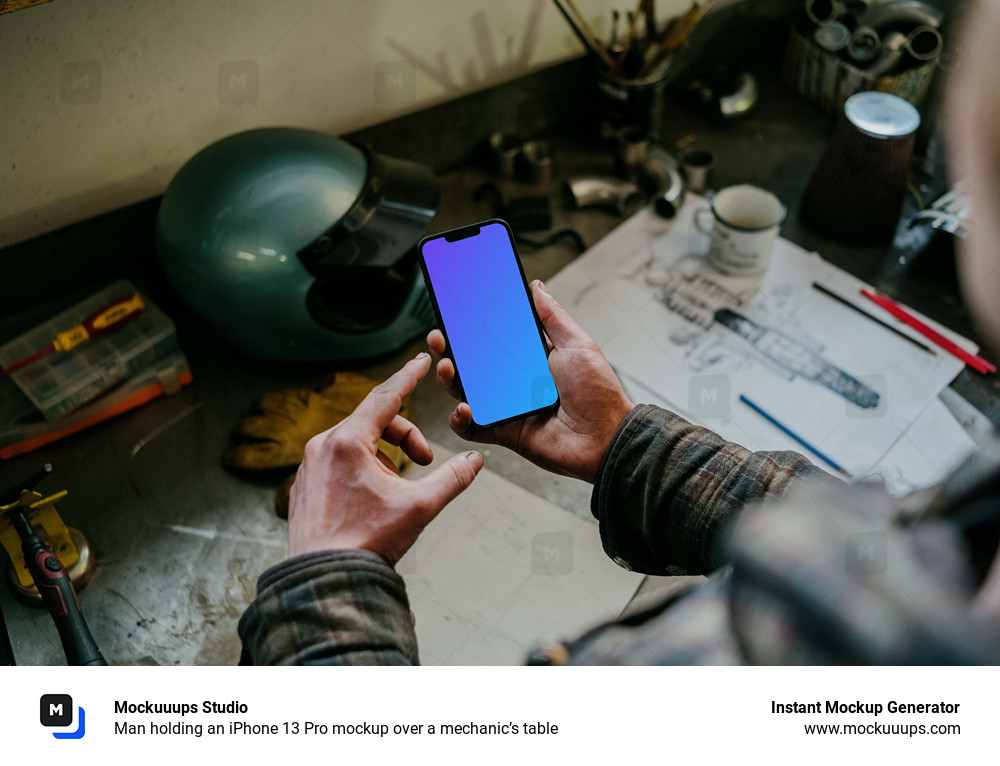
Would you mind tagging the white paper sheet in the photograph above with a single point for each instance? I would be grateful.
(929, 450)
(839, 380)
(501, 568)
(924, 455)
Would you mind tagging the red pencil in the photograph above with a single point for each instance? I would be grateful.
(975, 362)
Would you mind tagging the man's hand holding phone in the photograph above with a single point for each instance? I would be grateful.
(572, 439)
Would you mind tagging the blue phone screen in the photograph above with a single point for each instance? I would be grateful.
(491, 328)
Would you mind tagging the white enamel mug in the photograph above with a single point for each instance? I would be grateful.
(744, 230)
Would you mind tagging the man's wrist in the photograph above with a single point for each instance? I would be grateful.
(614, 426)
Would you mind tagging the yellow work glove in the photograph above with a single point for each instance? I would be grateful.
(276, 438)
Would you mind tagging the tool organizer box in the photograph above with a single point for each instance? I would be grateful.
(61, 383)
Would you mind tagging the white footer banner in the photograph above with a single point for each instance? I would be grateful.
(156, 715)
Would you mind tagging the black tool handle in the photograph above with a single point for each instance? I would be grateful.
(57, 592)
(6, 650)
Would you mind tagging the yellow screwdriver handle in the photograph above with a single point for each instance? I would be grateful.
(66, 340)
(102, 321)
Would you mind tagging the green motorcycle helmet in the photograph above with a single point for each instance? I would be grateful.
(298, 246)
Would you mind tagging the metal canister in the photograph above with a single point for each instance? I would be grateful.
(857, 191)
(622, 102)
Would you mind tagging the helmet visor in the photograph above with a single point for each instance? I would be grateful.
(389, 217)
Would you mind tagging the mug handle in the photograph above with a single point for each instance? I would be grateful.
(698, 218)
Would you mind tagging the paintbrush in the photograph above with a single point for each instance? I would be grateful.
(633, 18)
(678, 34)
(649, 10)
(583, 33)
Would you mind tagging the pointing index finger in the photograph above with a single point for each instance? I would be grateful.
(381, 406)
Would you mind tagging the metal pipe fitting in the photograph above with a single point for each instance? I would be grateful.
(905, 13)
(865, 45)
(924, 44)
(822, 12)
(595, 191)
(893, 50)
(662, 173)
(504, 149)
(537, 162)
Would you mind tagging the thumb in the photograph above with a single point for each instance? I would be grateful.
(561, 328)
(449, 480)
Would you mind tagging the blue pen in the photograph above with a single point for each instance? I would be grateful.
(785, 429)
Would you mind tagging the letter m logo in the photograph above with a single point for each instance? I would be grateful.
(395, 81)
(56, 710)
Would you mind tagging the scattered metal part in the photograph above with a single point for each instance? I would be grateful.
(536, 161)
(657, 172)
(740, 102)
(631, 151)
(952, 213)
(504, 150)
(893, 50)
(662, 174)
(823, 12)
(832, 37)
(865, 45)
(571, 235)
(522, 213)
(697, 162)
(924, 44)
(620, 196)
(905, 12)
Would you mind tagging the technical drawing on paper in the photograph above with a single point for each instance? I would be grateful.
(705, 299)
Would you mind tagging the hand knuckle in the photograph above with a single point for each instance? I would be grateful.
(314, 447)
(422, 506)
(341, 446)
(462, 471)
(386, 392)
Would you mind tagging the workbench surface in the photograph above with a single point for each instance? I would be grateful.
(180, 541)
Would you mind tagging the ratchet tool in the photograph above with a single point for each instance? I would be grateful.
(102, 322)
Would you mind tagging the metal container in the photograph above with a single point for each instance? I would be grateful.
(826, 79)
(622, 102)
(857, 192)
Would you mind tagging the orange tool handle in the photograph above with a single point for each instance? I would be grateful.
(103, 321)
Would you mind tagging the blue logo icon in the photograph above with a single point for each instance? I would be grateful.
(57, 710)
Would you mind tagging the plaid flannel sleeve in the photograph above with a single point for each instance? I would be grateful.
(330, 608)
(667, 491)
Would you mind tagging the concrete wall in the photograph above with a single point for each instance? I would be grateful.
(102, 100)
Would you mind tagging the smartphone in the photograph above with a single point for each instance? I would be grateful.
(485, 310)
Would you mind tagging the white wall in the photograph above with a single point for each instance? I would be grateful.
(102, 100)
